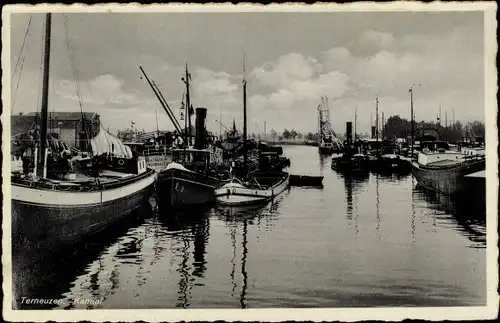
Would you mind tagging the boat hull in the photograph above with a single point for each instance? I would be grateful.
(51, 219)
(305, 180)
(177, 188)
(399, 166)
(230, 195)
(448, 181)
(326, 150)
(347, 165)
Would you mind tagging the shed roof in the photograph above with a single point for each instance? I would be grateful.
(72, 116)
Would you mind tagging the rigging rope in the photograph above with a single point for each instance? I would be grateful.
(17, 86)
(76, 78)
(21, 59)
(22, 47)
(73, 67)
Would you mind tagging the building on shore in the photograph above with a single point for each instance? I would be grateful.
(72, 128)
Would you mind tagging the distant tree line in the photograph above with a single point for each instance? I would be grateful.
(398, 127)
(401, 128)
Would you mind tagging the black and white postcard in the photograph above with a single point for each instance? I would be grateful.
(250, 162)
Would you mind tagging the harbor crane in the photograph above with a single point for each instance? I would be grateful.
(327, 140)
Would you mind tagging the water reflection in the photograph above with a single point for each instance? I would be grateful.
(51, 275)
(377, 205)
(187, 228)
(464, 213)
(243, 265)
(324, 162)
(392, 177)
(243, 216)
(352, 184)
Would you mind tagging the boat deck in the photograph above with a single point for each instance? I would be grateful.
(446, 162)
(80, 178)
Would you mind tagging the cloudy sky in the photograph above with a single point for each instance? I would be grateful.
(292, 59)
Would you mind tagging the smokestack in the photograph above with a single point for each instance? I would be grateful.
(348, 132)
(201, 115)
(373, 131)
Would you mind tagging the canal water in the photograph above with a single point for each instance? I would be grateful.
(356, 242)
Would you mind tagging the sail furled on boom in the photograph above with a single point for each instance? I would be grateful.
(106, 143)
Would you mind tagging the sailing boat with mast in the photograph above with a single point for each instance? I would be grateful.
(48, 212)
(257, 187)
(188, 180)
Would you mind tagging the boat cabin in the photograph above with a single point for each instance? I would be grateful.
(372, 145)
(270, 158)
(433, 146)
(192, 159)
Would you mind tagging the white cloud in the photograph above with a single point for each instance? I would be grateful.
(370, 43)
(208, 82)
(286, 69)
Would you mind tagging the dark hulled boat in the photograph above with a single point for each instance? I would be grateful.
(188, 181)
(351, 160)
(53, 207)
(351, 163)
(391, 164)
(178, 186)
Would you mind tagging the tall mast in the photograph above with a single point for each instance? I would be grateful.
(244, 116)
(412, 121)
(157, 127)
(220, 127)
(383, 127)
(376, 118)
(45, 98)
(440, 120)
(355, 120)
(188, 107)
(453, 118)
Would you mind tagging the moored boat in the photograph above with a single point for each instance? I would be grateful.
(444, 172)
(53, 213)
(265, 183)
(351, 163)
(351, 160)
(180, 187)
(306, 180)
(391, 163)
(262, 188)
(54, 206)
(188, 181)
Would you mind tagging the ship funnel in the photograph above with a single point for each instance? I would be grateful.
(201, 115)
(373, 131)
(348, 133)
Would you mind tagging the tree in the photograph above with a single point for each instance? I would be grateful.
(274, 134)
(287, 134)
(477, 128)
(396, 126)
(310, 136)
